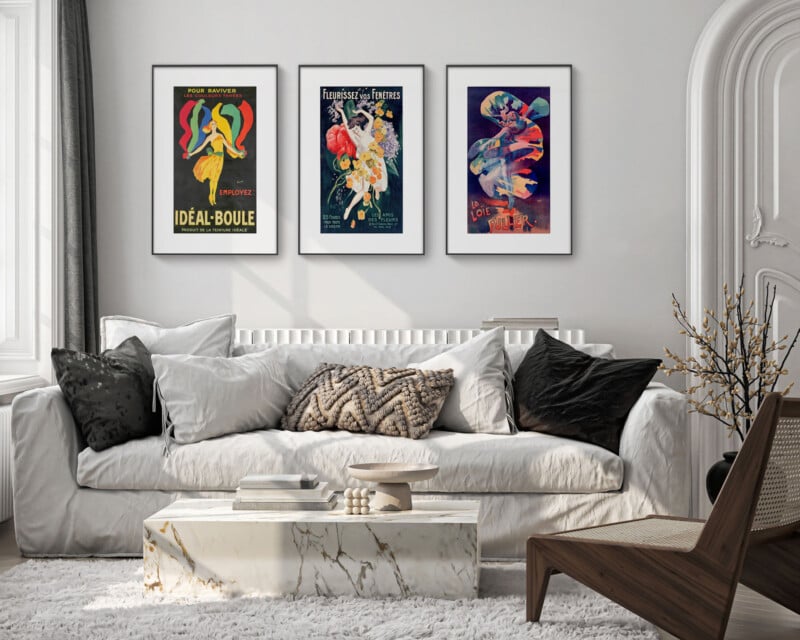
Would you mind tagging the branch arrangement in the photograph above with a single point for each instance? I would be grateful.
(737, 361)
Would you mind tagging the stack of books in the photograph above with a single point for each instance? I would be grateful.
(548, 324)
(299, 492)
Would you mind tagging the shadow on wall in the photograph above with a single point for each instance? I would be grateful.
(325, 291)
(293, 304)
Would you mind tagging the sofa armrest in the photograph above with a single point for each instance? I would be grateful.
(655, 450)
(46, 443)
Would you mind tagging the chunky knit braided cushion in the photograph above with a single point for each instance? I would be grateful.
(392, 402)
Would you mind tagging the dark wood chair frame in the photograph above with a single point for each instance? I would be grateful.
(689, 593)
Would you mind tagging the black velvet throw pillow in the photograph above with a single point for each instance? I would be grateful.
(110, 395)
(563, 392)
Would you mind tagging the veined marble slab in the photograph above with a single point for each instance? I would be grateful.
(195, 545)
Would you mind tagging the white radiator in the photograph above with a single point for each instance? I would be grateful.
(5, 463)
(391, 336)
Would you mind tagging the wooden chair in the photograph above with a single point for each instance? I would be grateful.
(682, 574)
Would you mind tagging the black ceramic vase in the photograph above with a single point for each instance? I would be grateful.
(717, 474)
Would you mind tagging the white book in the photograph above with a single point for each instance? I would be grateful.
(320, 505)
(324, 497)
(317, 492)
(521, 323)
(279, 481)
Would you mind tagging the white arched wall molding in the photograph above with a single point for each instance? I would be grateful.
(737, 220)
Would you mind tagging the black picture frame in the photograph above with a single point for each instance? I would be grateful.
(305, 152)
(162, 116)
(565, 246)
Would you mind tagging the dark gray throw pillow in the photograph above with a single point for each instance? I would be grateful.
(563, 392)
(110, 395)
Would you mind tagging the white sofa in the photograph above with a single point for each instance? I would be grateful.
(73, 501)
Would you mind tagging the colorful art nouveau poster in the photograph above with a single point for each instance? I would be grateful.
(509, 159)
(508, 164)
(215, 160)
(361, 159)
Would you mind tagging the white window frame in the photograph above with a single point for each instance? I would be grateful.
(30, 208)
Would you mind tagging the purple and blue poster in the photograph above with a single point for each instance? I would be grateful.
(508, 138)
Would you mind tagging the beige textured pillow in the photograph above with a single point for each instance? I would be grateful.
(392, 402)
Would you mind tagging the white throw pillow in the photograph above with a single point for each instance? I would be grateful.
(516, 352)
(302, 359)
(209, 397)
(477, 402)
(207, 337)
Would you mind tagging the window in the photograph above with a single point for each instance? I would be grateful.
(30, 315)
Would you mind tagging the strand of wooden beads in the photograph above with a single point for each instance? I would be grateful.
(356, 501)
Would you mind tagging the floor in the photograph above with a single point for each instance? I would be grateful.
(753, 616)
(9, 554)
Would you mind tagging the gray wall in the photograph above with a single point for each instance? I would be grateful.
(630, 63)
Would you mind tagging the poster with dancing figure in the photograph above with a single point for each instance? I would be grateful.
(215, 159)
(361, 157)
(509, 167)
(509, 159)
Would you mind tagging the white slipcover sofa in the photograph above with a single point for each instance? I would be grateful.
(72, 501)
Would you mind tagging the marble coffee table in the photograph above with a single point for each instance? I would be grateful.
(193, 546)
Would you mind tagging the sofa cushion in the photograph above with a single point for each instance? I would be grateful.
(393, 402)
(516, 352)
(302, 359)
(477, 403)
(469, 462)
(209, 397)
(564, 392)
(110, 395)
(207, 337)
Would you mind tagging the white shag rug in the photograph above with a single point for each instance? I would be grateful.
(105, 599)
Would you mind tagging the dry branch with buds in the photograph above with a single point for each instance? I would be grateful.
(737, 361)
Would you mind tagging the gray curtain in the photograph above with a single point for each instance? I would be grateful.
(77, 155)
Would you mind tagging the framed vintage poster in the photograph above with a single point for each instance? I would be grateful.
(509, 159)
(361, 159)
(215, 159)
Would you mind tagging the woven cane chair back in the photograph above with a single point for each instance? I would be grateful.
(779, 499)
